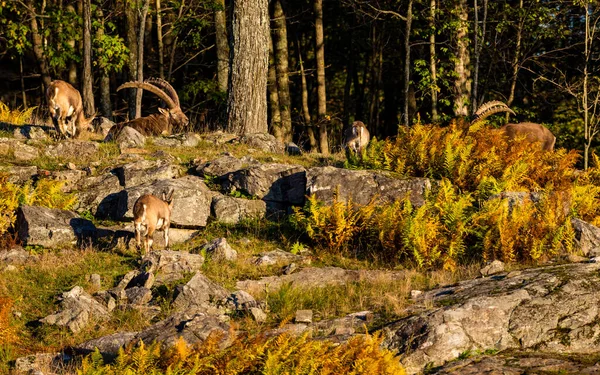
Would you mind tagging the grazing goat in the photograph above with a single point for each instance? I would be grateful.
(154, 214)
(161, 123)
(356, 137)
(531, 131)
(66, 109)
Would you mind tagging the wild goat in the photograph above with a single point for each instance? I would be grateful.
(159, 123)
(533, 132)
(66, 109)
(356, 137)
(154, 214)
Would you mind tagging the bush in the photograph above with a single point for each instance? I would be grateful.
(15, 116)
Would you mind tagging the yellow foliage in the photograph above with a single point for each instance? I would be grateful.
(15, 116)
(8, 334)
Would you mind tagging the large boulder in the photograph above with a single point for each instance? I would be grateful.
(232, 210)
(264, 142)
(128, 138)
(201, 294)
(50, 227)
(31, 132)
(219, 167)
(549, 310)
(280, 183)
(587, 237)
(108, 346)
(73, 149)
(78, 308)
(19, 175)
(362, 186)
(172, 265)
(191, 200)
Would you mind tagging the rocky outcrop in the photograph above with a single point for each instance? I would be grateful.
(77, 309)
(200, 294)
(587, 238)
(264, 142)
(73, 149)
(550, 310)
(362, 186)
(49, 227)
(19, 175)
(230, 210)
(129, 138)
(171, 265)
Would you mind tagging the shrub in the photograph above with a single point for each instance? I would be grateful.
(282, 354)
(15, 116)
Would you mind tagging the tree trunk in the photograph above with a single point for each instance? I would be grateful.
(38, 49)
(174, 45)
(249, 59)
(432, 61)
(462, 84)
(312, 140)
(132, 26)
(23, 93)
(105, 104)
(274, 96)
(515, 63)
(88, 79)
(222, 46)
(140, 57)
(407, 97)
(72, 74)
(159, 36)
(321, 93)
(280, 44)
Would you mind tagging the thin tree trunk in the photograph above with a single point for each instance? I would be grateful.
(462, 84)
(88, 79)
(274, 96)
(38, 49)
(72, 74)
(586, 119)
(347, 91)
(140, 57)
(105, 104)
(132, 26)
(515, 63)
(247, 94)
(222, 46)
(407, 64)
(23, 93)
(159, 36)
(312, 140)
(174, 46)
(432, 61)
(280, 45)
(321, 92)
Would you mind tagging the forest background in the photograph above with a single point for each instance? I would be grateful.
(384, 62)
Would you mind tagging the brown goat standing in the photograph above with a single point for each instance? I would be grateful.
(161, 123)
(531, 131)
(356, 137)
(66, 109)
(154, 214)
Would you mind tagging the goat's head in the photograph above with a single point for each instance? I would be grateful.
(164, 90)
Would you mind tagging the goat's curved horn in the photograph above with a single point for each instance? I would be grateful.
(490, 108)
(153, 89)
(166, 86)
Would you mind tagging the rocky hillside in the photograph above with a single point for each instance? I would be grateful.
(72, 281)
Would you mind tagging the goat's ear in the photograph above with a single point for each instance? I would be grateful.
(163, 111)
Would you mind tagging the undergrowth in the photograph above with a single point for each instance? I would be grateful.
(15, 116)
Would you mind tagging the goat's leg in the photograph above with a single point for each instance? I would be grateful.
(166, 230)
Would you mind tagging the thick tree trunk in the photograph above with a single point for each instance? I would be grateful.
(222, 46)
(38, 49)
(105, 104)
(280, 44)
(274, 97)
(407, 97)
(88, 79)
(462, 84)
(140, 57)
(321, 92)
(159, 36)
(131, 9)
(247, 99)
(432, 61)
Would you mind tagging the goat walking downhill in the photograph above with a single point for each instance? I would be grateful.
(161, 123)
(531, 131)
(152, 213)
(66, 109)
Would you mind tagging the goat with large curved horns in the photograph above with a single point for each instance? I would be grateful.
(531, 131)
(161, 123)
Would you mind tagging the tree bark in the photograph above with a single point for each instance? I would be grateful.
(280, 44)
(515, 63)
(132, 26)
(72, 74)
(407, 97)
(249, 59)
(477, 48)
(321, 92)
(222, 46)
(432, 61)
(462, 84)
(38, 49)
(312, 140)
(274, 97)
(159, 36)
(88, 79)
(140, 57)
(105, 104)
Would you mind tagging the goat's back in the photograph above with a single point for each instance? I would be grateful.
(155, 209)
(65, 94)
(533, 132)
